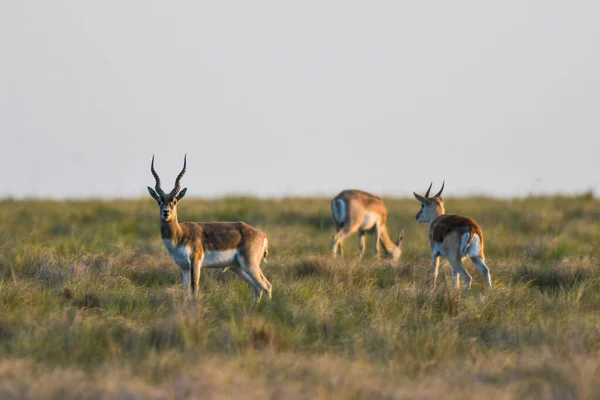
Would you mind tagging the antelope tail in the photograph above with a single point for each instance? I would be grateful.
(465, 242)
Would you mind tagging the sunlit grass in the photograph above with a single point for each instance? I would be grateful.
(91, 306)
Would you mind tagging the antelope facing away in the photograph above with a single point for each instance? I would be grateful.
(362, 212)
(197, 245)
(454, 237)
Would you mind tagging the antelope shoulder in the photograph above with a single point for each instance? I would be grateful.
(179, 254)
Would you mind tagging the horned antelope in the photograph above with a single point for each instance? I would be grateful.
(362, 212)
(197, 245)
(452, 236)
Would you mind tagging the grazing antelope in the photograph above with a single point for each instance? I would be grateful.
(358, 211)
(452, 236)
(197, 245)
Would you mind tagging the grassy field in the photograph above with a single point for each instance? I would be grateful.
(91, 306)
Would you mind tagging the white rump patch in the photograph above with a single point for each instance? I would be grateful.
(474, 248)
(181, 255)
(339, 210)
(219, 259)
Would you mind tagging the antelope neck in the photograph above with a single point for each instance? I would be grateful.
(437, 215)
(388, 244)
(170, 229)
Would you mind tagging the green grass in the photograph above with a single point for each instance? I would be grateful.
(91, 306)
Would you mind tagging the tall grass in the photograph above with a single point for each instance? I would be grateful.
(91, 306)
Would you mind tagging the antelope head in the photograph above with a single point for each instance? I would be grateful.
(431, 207)
(397, 252)
(167, 202)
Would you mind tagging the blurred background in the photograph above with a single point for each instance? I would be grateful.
(276, 99)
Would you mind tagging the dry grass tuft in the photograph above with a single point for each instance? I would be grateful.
(313, 266)
(89, 300)
(263, 336)
(91, 306)
(552, 278)
(67, 293)
(447, 300)
(6, 331)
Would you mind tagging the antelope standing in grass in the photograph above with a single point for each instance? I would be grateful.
(197, 245)
(362, 212)
(454, 237)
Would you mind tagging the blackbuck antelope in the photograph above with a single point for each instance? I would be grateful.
(362, 212)
(452, 236)
(197, 245)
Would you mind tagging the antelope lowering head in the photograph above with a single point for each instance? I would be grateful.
(356, 211)
(167, 202)
(397, 251)
(431, 207)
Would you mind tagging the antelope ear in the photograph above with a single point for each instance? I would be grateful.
(422, 199)
(400, 237)
(153, 194)
(181, 194)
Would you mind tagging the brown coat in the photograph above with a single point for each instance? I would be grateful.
(445, 224)
(368, 201)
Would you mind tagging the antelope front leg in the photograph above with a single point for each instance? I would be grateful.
(186, 278)
(377, 240)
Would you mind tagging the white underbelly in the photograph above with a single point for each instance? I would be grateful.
(222, 258)
(369, 221)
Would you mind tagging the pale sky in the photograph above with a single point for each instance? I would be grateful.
(287, 98)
